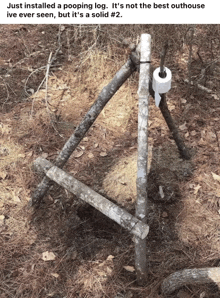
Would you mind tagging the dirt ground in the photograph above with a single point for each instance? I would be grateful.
(66, 248)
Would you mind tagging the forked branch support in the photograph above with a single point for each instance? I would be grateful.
(82, 191)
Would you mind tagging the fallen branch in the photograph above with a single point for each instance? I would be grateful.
(190, 277)
(119, 215)
(199, 86)
(79, 133)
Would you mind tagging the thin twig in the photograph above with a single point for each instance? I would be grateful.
(46, 83)
(190, 52)
(35, 95)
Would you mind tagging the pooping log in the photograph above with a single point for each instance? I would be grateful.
(186, 277)
(142, 201)
(119, 215)
(107, 92)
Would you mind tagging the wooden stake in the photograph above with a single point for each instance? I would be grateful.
(142, 202)
(82, 191)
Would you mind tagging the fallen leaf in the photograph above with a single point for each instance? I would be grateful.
(73, 172)
(48, 256)
(134, 135)
(44, 155)
(103, 154)
(211, 136)
(186, 134)
(55, 275)
(110, 257)
(62, 28)
(77, 154)
(202, 295)
(90, 155)
(183, 126)
(29, 154)
(193, 133)
(171, 107)
(122, 182)
(215, 96)
(183, 100)
(31, 90)
(3, 175)
(216, 177)
(129, 268)
(196, 189)
(201, 142)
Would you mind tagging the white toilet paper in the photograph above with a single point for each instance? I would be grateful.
(161, 85)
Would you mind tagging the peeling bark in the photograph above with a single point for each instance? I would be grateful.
(190, 277)
(142, 203)
(119, 215)
(107, 92)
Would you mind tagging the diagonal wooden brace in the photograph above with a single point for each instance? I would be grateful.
(119, 215)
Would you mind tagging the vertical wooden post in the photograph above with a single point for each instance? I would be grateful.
(142, 202)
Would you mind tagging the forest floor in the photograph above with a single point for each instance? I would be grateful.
(66, 248)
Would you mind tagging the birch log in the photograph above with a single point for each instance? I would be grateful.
(103, 98)
(190, 277)
(142, 204)
(119, 215)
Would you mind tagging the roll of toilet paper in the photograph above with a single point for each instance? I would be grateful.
(161, 85)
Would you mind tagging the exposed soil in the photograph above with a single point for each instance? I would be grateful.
(88, 254)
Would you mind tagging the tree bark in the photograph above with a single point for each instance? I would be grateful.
(119, 215)
(107, 92)
(142, 203)
(190, 277)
